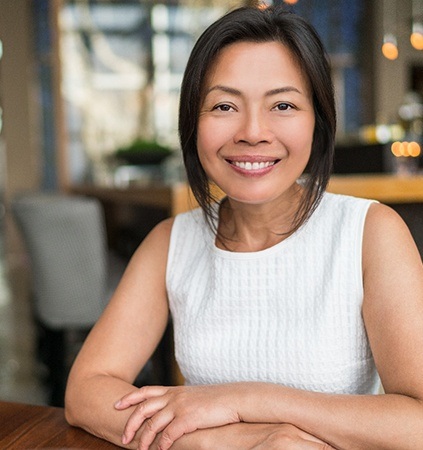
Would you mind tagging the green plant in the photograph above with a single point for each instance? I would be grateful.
(142, 151)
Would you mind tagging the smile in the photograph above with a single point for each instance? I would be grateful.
(247, 165)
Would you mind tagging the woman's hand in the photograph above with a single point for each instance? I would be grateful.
(175, 411)
(248, 436)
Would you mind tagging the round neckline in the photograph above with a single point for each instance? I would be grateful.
(253, 254)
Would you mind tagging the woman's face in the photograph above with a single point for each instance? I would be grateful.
(256, 122)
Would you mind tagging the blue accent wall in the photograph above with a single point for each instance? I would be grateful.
(43, 46)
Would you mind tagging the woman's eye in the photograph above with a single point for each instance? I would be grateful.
(283, 107)
(223, 108)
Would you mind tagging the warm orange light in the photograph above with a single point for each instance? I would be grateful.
(291, 2)
(414, 149)
(406, 149)
(396, 149)
(416, 40)
(390, 51)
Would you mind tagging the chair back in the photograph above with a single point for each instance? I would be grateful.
(66, 242)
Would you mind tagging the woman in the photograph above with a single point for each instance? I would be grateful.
(287, 302)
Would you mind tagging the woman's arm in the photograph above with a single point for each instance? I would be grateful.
(248, 436)
(393, 315)
(121, 342)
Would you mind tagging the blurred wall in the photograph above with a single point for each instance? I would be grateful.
(19, 101)
(18, 93)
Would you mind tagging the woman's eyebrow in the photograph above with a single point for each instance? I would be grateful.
(282, 90)
(234, 91)
(227, 89)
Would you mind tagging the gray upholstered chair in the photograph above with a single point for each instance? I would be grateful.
(73, 275)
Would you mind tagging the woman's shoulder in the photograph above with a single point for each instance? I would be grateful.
(388, 240)
(156, 244)
(160, 236)
(384, 224)
(383, 220)
(161, 231)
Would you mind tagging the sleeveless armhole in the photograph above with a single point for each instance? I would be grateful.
(359, 240)
(172, 244)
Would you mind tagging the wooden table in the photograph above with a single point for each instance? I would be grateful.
(389, 189)
(386, 188)
(174, 199)
(27, 427)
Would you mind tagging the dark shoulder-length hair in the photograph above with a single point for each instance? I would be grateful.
(249, 24)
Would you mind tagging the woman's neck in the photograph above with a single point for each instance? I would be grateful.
(248, 228)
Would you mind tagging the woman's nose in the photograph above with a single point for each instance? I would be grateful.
(253, 129)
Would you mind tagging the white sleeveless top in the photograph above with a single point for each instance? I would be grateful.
(289, 314)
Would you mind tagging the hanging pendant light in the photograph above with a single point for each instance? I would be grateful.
(416, 37)
(389, 45)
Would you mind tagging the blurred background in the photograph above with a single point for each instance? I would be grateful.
(85, 82)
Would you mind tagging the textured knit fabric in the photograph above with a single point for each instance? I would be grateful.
(289, 314)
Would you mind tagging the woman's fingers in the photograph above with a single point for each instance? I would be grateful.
(163, 423)
(140, 395)
(144, 411)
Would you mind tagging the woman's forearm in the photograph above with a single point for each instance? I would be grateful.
(91, 407)
(239, 436)
(388, 421)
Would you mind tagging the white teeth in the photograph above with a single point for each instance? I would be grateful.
(246, 165)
